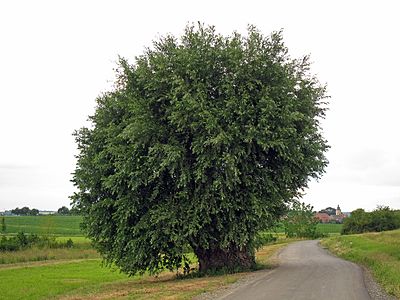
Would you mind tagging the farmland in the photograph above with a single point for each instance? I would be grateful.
(48, 225)
(70, 225)
(77, 272)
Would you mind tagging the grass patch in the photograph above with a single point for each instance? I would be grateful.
(47, 281)
(329, 229)
(81, 249)
(43, 254)
(379, 252)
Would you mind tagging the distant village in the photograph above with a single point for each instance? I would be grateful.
(331, 215)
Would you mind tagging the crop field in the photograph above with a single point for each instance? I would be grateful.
(329, 229)
(379, 252)
(70, 225)
(49, 225)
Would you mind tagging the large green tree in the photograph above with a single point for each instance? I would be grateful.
(203, 142)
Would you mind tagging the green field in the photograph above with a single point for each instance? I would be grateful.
(77, 273)
(329, 228)
(88, 279)
(379, 252)
(44, 225)
(70, 225)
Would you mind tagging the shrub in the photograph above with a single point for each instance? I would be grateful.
(381, 219)
(23, 241)
(300, 222)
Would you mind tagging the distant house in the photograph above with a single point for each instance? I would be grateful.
(331, 215)
(322, 217)
(46, 212)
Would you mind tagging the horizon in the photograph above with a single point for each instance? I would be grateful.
(53, 69)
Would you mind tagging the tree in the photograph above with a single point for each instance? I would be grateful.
(34, 212)
(300, 221)
(3, 225)
(381, 219)
(204, 141)
(21, 211)
(63, 211)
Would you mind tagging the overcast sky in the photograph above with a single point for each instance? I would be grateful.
(57, 56)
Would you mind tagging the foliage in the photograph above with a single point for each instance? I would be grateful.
(381, 219)
(3, 225)
(204, 141)
(63, 211)
(25, 211)
(300, 221)
(23, 241)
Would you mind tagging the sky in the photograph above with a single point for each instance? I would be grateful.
(56, 57)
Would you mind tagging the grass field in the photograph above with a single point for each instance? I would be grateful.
(77, 273)
(69, 225)
(379, 252)
(87, 279)
(329, 229)
(48, 225)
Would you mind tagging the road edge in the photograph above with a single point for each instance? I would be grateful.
(374, 289)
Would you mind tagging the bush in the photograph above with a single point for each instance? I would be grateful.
(381, 219)
(23, 241)
(300, 222)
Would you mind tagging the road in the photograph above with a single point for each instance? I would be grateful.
(308, 272)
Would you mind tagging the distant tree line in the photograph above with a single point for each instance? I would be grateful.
(65, 211)
(381, 219)
(25, 211)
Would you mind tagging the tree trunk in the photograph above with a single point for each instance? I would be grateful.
(230, 259)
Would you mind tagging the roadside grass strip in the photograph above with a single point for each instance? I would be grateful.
(379, 252)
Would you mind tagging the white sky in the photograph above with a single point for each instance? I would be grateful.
(57, 56)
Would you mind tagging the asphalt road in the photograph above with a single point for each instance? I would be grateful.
(308, 272)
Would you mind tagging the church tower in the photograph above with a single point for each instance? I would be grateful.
(338, 211)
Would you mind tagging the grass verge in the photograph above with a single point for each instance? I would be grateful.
(379, 252)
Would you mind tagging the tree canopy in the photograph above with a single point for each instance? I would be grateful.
(202, 143)
(25, 211)
(63, 211)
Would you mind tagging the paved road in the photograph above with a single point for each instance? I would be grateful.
(306, 272)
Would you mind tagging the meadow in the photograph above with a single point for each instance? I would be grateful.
(70, 225)
(88, 279)
(379, 252)
(44, 225)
